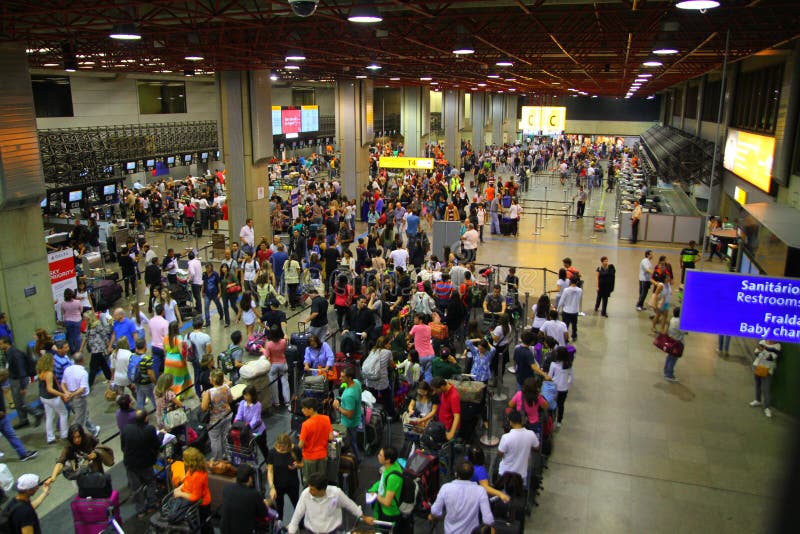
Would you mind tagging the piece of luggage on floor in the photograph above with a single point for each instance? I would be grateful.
(94, 485)
(255, 342)
(187, 312)
(505, 526)
(348, 474)
(90, 516)
(471, 413)
(106, 293)
(300, 339)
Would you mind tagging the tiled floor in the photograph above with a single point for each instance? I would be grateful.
(635, 453)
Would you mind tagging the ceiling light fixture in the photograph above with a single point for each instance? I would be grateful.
(594, 96)
(125, 32)
(665, 50)
(188, 72)
(481, 85)
(273, 77)
(360, 77)
(493, 76)
(425, 78)
(193, 58)
(50, 65)
(652, 63)
(645, 75)
(651, 97)
(292, 67)
(697, 5)
(556, 83)
(504, 63)
(295, 55)
(463, 47)
(364, 14)
(394, 79)
(512, 89)
(374, 66)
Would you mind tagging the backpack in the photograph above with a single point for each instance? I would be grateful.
(371, 368)
(476, 296)
(410, 496)
(5, 517)
(226, 360)
(342, 296)
(134, 369)
(434, 436)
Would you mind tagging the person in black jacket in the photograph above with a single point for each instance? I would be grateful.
(242, 505)
(152, 279)
(140, 445)
(20, 369)
(359, 323)
(127, 265)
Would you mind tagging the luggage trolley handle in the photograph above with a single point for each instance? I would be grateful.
(302, 328)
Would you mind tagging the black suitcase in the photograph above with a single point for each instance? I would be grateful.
(300, 339)
(504, 526)
(348, 474)
(105, 294)
(94, 485)
(187, 312)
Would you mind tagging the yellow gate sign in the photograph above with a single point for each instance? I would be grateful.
(390, 162)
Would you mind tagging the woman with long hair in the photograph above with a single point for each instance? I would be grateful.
(44, 341)
(52, 398)
(217, 401)
(174, 362)
(139, 319)
(171, 311)
(541, 312)
(283, 463)
(194, 486)
(246, 313)
(231, 288)
(528, 401)
(98, 333)
(82, 294)
(71, 310)
(501, 338)
(119, 367)
(166, 400)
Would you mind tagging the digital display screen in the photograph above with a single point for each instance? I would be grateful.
(150, 163)
(109, 190)
(170, 160)
(749, 156)
(747, 305)
(294, 119)
(130, 166)
(187, 158)
(204, 156)
(75, 196)
(108, 169)
(216, 155)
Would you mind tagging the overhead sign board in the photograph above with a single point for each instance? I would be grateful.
(749, 156)
(742, 305)
(545, 119)
(391, 162)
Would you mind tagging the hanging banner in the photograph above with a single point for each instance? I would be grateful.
(548, 120)
(392, 162)
(62, 275)
(295, 203)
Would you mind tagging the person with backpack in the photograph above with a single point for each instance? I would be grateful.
(561, 373)
(375, 370)
(21, 368)
(389, 491)
(19, 515)
(142, 375)
(341, 298)
(211, 293)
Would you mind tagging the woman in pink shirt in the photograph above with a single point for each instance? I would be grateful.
(528, 400)
(71, 310)
(275, 352)
(420, 333)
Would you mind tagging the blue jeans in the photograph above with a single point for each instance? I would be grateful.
(8, 431)
(73, 335)
(158, 361)
(425, 367)
(144, 392)
(208, 300)
(669, 366)
(352, 434)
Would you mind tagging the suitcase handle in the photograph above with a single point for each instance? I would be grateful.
(303, 329)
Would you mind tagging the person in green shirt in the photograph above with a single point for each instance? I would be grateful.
(445, 365)
(387, 491)
(689, 258)
(350, 407)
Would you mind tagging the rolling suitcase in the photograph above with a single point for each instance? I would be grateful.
(94, 486)
(348, 474)
(106, 293)
(91, 516)
(300, 339)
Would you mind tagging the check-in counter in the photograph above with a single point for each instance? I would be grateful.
(670, 218)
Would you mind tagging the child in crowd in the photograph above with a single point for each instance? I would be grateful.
(409, 368)
(561, 373)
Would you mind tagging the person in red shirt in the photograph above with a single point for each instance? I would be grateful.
(449, 413)
(314, 436)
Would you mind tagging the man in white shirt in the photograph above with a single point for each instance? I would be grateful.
(159, 327)
(248, 236)
(399, 257)
(515, 447)
(75, 383)
(202, 347)
(645, 276)
(570, 305)
(320, 507)
(555, 329)
(195, 269)
(470, 240)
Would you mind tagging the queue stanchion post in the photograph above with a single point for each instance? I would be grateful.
(488, 439)
(566, 219)
(540, 225)
(546, 217)
(536, 227)
(594, 227)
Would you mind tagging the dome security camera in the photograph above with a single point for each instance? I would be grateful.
(304, 8)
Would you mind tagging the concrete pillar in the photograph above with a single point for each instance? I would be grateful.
(452, 139)
(478, 119)
(685, 90)
(410, 121)
(246, 124)
(350, 121)
(715, 191)
(23, 262)
(497, 119)
(701, 96)
(513, 122)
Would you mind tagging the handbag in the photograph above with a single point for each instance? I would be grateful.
(110, 395)
(176, 510)
(761, 371)
(666, 344)
(175, 418)
(232, 289)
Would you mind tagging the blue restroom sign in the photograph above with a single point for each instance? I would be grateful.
(742, 305)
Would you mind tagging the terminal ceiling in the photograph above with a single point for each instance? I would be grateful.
(597, 47)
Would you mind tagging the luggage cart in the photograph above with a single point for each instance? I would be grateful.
(599, 222)
(383, 527)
